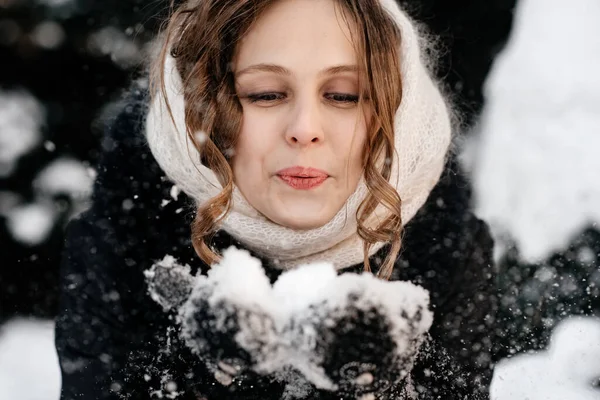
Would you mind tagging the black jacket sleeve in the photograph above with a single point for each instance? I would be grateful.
(451, 255)
(112, 341)
(93, 331)
(109, 333)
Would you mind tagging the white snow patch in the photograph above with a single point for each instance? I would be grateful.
(535, 165)
(21, 119)
(239, 278)
(296, 289)
(28, 362)
(174, 192)
(66, 176)
(30, 224)
(567, 370)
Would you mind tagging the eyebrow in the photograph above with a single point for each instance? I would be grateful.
(278, 69)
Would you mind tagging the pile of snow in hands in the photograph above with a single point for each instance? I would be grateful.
(280, 326)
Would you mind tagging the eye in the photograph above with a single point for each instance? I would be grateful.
(342, 97)
(265, 97)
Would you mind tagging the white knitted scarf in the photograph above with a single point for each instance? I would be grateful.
(422, 137)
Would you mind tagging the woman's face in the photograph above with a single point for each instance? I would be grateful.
(299, 153)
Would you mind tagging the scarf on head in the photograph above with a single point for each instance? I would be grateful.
(422, 137)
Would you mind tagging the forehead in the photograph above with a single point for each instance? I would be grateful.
(298, 34)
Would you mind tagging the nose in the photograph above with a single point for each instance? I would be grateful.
(305, 124)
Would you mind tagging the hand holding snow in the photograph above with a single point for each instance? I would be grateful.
(350, 333)
(352, 327)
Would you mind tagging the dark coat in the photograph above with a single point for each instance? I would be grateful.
(112, 338)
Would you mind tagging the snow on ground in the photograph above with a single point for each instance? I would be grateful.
(21, 119)
(28, 362)
(535, 165)
(566, 370)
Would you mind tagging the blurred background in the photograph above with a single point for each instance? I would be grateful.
(524, 74)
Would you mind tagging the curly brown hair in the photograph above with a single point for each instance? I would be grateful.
(202, 36)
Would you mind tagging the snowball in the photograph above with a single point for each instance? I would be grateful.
(28, 362)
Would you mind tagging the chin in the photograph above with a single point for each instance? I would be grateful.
(294, 218)
(303, 225)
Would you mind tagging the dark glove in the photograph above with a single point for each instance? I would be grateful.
(226, 320)
(358, 336)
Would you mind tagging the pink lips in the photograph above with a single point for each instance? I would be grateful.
(302, 178)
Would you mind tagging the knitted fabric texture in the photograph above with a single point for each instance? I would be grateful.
(422, 136)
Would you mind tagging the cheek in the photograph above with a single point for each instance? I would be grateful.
(352, 138)
(357, 155)
(253, 145)
(360, 141)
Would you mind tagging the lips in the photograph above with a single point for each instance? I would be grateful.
(302, 178)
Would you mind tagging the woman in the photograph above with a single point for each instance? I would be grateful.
(301, 131)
